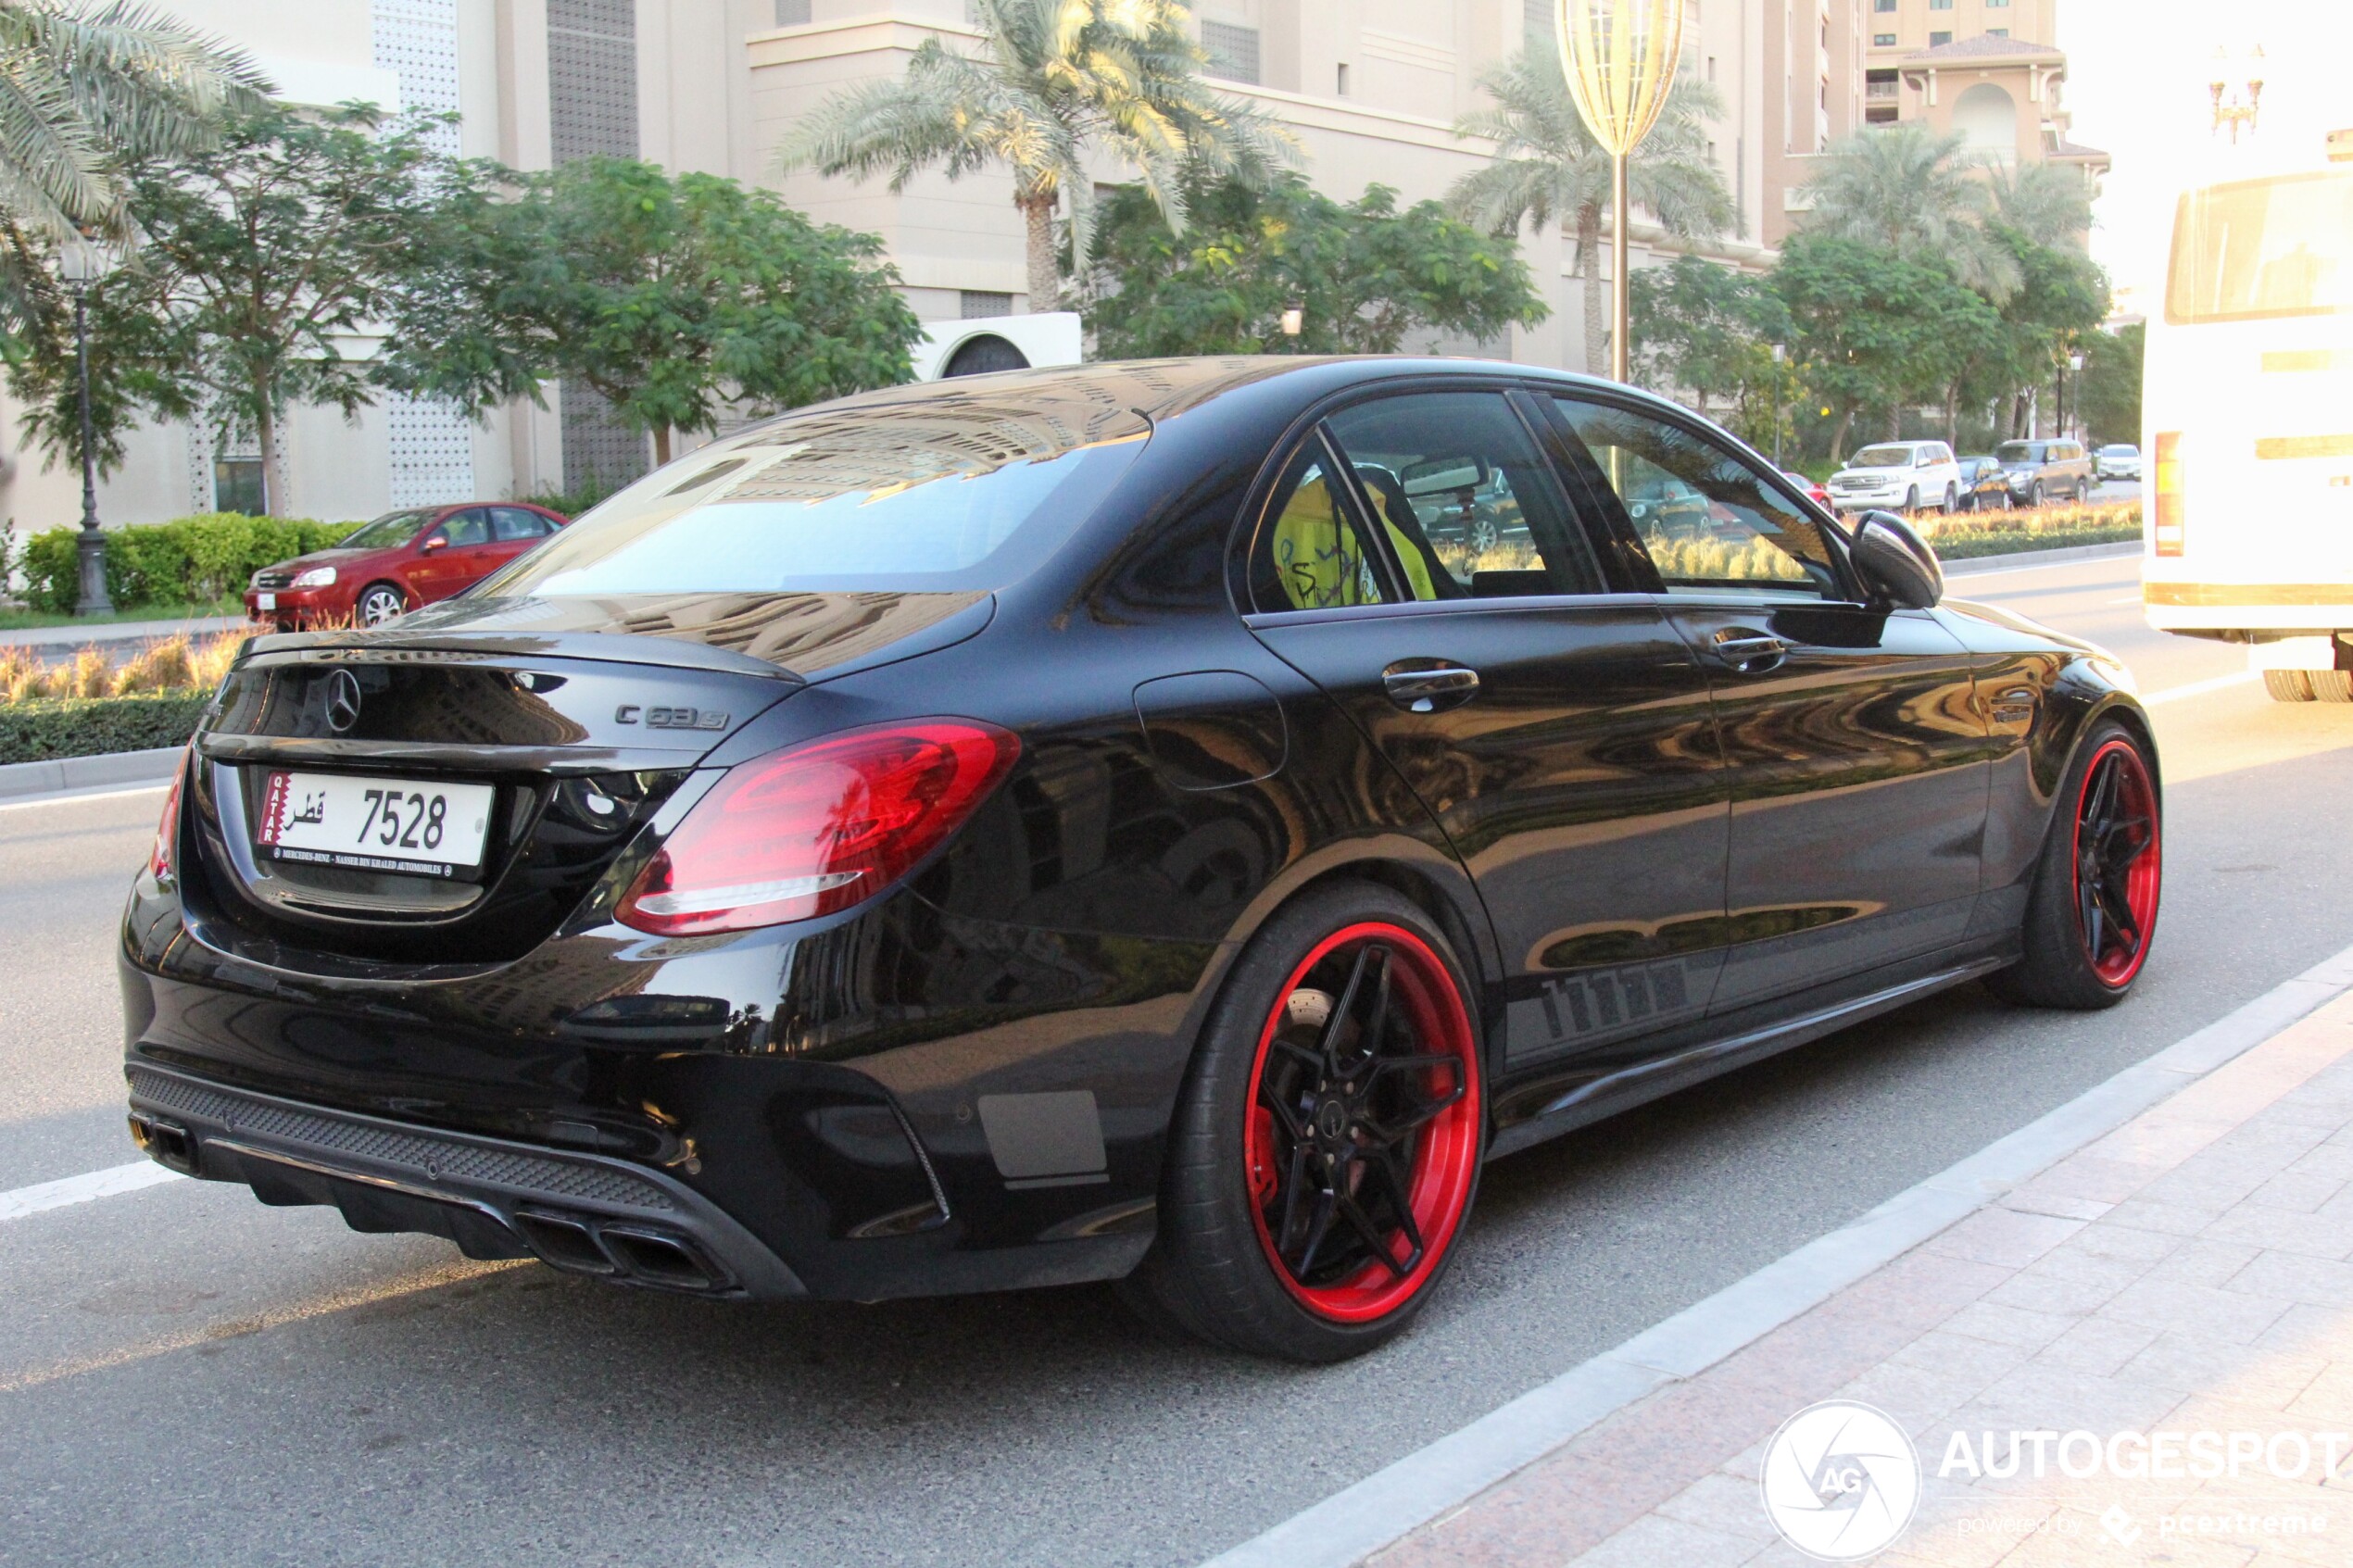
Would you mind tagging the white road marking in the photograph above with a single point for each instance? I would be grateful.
(2126, 599)
(2199, 688)
(83, 1188)
(72, 796)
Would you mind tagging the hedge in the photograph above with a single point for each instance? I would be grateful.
(187, 561)
(41, 732)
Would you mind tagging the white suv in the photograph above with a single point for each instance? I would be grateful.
(1898, 476)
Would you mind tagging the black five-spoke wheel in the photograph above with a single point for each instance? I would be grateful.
(2116, 860)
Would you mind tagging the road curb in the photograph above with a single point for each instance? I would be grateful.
(1979, 566)
(1433, 1481)
(73, 775)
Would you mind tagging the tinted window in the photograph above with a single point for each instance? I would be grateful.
(2021, 451)
(1883, 458)
(927, 495)
(1309, 553)
(1708, 522)
(514, 522)
(469, 527)
(390, 529)
(1469, 504)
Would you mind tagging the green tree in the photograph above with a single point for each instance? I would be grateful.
(1056, 87)
(2062, 296)
(86, 86)
(263, 257)
(1547, 167)
(1362, 273)
(2111, 398)
(675, 297)
(1911, 191)
(1702, 328)
(1871, 330)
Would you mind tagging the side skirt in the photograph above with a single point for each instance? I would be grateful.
(1595, 1099)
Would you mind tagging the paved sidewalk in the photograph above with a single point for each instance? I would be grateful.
(2187, 1274)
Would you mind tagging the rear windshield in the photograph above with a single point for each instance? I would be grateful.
(393, 528)
(2263, 248)
(1883, 457)
(2020, 451)
(867, 500)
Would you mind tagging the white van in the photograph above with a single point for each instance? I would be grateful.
(1898, 476)
(2247, 417)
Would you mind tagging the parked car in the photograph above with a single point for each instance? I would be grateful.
(1066, 828)
(1902, 475)
(1813, 488)
(2037, 471)
(1984, 485)
(402, 560)
(2117, 459)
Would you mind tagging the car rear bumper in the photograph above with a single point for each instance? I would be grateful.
(496, 1199)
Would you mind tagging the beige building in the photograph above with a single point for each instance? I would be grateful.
(1990, 69)
(1372, 89)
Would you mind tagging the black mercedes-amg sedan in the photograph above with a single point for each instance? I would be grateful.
(1098, 824)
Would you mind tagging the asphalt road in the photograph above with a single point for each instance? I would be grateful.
(188, 1377)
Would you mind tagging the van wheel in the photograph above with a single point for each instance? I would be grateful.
(2331, 685)
(2287, 685)
(2091, 909)
(1326, 1144)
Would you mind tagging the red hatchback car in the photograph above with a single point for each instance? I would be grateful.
(397, 562)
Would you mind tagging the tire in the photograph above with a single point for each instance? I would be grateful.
(2330, 685)
(1912, 500)
(2085, 944)
(2034, 495)
(1483, 535)
(2287, 685)
(1264, 1246)
(377, 603)
(1952, 500)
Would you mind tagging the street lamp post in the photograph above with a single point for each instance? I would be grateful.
(2236, 109)
(1780, 354)
(2074, 363)
(82, 263)
(1619, 57)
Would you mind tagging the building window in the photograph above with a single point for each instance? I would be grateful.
(1998, 32)
(1940, 4)
(1882, 41)
(1341, 79)
(1938, 40)
(974, 304)
(1711, 67)
(792, 13)
(1997, 4)
(1536, 21)
(236, 486)
(1885, 8)
(1233, 51)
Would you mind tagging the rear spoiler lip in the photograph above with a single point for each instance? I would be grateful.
(609, 647)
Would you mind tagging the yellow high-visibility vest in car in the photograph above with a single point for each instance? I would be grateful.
(1322, 564)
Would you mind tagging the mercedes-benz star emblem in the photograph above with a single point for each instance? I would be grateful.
(343, 700)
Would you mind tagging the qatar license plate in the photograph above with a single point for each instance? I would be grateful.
(416, 826)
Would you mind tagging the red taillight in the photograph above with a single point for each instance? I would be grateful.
(2166, 514)
(817, 828)
(167, 830)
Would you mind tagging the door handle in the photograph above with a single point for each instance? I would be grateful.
(1747, 652)
(1427, 687)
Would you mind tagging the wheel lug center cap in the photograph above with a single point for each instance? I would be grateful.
(1331, 1118)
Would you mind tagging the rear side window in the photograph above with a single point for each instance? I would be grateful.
(1310, 552)
(1466, 500)
(1708, 522)
(512, 523)
(972, 495)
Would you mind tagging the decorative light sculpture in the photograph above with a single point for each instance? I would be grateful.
(1619, 57)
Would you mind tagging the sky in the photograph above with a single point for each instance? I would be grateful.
(2137, 75)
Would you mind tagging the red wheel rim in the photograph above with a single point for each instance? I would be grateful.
(2116, 860)
(1361, 1143)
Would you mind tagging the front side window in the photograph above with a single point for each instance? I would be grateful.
(1466, 500)
(469, 527)
(1708, 522)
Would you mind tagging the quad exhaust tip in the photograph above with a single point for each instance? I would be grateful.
(631, 1253)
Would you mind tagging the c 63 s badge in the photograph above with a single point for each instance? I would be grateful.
(670, 718)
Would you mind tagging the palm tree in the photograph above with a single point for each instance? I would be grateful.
(1547, 166)
(1911, 191)
(2046, 203)
(1053, 83)
(84, 87)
